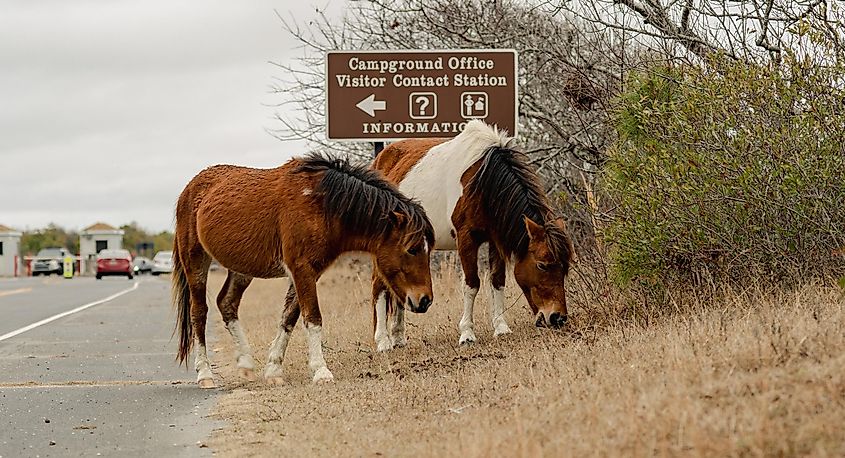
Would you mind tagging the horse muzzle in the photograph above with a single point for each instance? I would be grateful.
(420, 305)
(555, 320)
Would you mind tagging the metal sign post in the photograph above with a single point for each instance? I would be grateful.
(377, 147)
(389, 95)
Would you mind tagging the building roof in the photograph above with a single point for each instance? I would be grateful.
(100, 227)
(8, 230)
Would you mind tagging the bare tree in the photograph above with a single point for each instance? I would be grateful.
(748, 29)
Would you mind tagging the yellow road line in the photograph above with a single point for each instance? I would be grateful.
(90, 383)
(15, 291)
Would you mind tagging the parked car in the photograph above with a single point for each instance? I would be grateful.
(142, 265)
(114, 262)
(162, 263)
(49, 261)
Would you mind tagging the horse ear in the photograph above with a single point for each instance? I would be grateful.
(399, 218)
(535, 231)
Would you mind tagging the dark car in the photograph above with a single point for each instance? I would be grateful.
(114, 262)
(142, 265)
(49, 261)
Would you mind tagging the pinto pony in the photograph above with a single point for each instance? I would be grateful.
(476, 190)
(293, 220)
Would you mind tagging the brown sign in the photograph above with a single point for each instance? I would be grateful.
(389, 95)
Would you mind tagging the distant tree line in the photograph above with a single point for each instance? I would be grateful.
(135, 235)
(56, 236)
(50, 236)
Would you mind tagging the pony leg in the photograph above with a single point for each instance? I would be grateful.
(306, 293)
(497, 284)
(229, 301)
(397, 328)
(381, 336)
(197, 274)
(468, 252)
(273, 371)
(381, 299)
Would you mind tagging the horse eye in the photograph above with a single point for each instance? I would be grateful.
(413, 251)
(543, 266)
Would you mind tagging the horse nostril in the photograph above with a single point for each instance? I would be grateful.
(557, 319)
(541, 321)
(425, 302)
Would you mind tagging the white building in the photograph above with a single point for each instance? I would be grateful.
(95, 238)
(10, 259)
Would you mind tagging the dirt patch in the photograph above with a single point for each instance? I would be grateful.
(765, 377)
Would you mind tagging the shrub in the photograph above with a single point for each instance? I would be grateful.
(730, 170)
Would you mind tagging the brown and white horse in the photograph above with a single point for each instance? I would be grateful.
(293, 220)
(476, 190)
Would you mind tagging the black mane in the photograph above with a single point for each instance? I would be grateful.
(508, 189)
(362, 199)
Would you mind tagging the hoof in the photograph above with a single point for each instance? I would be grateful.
(246, 373)
(274, 381)
(206, 383)
(467, 338)
(384, 345)
(399, 343)
(323, 376)
(501, 330)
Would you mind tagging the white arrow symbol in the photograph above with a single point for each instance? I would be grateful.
(370, 105)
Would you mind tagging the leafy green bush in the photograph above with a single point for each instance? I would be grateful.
(729, 170)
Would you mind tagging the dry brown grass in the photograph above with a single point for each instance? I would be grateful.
(746, 374)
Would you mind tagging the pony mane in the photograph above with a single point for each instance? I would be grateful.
(481, 132)
(508, 189)
(362, 199)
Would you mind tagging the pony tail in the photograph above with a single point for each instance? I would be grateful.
(181, 297)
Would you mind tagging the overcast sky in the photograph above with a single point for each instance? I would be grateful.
(108, 108)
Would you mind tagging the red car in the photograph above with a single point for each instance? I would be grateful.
(114, 262)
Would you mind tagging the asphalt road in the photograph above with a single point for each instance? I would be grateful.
(100, 381)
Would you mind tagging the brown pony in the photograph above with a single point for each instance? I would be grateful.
(293, 220)
(476, 190)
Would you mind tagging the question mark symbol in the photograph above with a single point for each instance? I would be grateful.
(424, 102)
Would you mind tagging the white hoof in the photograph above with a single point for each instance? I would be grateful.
(383, 345)
(272, 370)
(501, 330)
(274, 381)
(246, 362)
(399, 341)
(206, 383)
(323, 375)
(467, 337)
(246, 373)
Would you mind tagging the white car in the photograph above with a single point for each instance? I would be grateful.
(162, 263)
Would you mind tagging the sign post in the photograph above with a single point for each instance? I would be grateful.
(389, 95)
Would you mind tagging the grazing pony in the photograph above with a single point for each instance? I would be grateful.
(293, 220)
(476, 190)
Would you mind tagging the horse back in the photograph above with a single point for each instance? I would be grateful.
(399, 158)
(240, 215)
